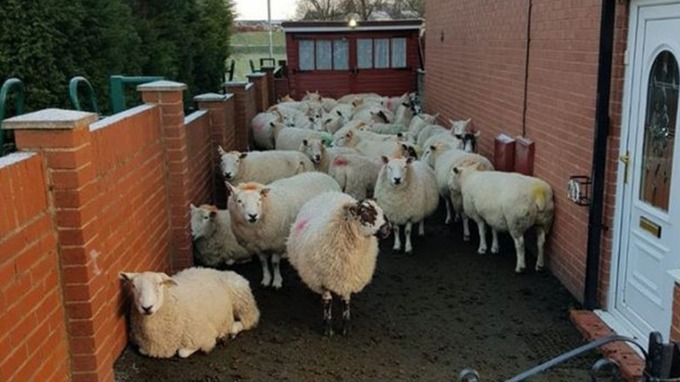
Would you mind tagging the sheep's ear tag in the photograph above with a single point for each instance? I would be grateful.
(264, 192)
(243, 155)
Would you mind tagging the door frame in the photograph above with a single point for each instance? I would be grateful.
(623, 200)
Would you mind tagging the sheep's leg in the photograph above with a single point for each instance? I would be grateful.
(276, 264)
(494, 241)
(519, 249)
(481, 226)
(266, 276)
(397, 240)
(448, 211)
(184, 353)
(407, 232)
(421, 228)
(345, 315)
(540, 243)
(466, 227)
(236, 328)
(327, 299)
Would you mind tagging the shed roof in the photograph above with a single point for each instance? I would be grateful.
(342, 26)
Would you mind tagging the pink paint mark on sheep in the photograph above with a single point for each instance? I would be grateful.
(258, 127)
(340, 161)
(300, 226)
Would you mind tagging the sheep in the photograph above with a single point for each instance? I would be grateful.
(261, 215)
(189, 311)
(522, 202)
(213, 238)
(290, 138)
(430, 131)
(333, 246)
(349, 98)
(370, 144)
(407, 191)
(262, 166)
(331, 123)
(321, 155)
(373, 113)
(443, 157)
(419, 121)
(356, 174)
(263, 137)
(386, 128)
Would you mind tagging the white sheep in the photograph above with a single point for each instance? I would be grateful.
(213, 238)
(263, 137)
(407, 191)
(262, 166)
(261, 215)
(507, 202)
(356, 174)
(321, 155)
(373, 113)
(333, 246)
(189, 311)
(373, 145)
(290, 138)
(349, 98)
(419, 121)
(386, 128)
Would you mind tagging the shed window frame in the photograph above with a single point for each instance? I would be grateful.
(389, 53)
(312, 64)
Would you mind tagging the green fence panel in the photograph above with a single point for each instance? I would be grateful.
(12, 84)
(89, 91)
(117, 89)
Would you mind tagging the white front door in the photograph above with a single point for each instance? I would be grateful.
(650, 216)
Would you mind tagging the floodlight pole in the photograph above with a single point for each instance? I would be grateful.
(269, 19)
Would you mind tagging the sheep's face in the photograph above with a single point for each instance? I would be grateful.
(371, 218)
(248, 203)
(314, 150)
(344, 140)
(470, 142)
(230, 164)
(289, 119)
(396, 170)
(148, 290)
(202, 221)
(428, 155)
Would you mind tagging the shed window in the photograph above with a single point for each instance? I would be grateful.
(381, 53)
(323, 54)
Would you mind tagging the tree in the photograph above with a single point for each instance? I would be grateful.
(342, 9)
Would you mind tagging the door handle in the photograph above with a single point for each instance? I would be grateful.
(625, 159)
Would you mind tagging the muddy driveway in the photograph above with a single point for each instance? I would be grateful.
(424, 317)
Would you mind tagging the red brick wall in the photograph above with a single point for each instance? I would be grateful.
(200, 151)
(476, 68)
(675, 325)
(32, 319)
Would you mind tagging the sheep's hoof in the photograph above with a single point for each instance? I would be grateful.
(328, 331)
(519, 270)
(447, 221)
(539, 268)
(143, 352)
(409, 252)
(266, 281)
(481, 251)
(494, 250)
(184, 353)
(277, 284)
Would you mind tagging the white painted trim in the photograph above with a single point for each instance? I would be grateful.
(621, 328)
(355, 29)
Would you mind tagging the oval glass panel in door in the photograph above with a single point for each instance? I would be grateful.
(660, 119)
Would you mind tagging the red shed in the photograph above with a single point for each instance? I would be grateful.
(335, 59)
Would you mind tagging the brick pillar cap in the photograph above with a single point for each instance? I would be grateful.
(49, 119)
(212, 97)
(245, 85)
(256, 75)
(161, 86)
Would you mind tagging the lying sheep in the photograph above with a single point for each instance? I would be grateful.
(333, 247)
(356, 174)
(290, 138)
(261, 215)
(189, 311)
(407, 191)
(213, 238)
(321, 155)
(262, 166)
(524, 202)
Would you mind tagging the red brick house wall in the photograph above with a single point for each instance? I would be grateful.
(476, 55)
(32, 318)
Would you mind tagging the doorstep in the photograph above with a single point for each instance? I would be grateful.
(592, 327)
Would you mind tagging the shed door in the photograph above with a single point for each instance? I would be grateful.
(324, 66)
(651, 214)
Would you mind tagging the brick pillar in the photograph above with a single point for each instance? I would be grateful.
(221, 111)
(259, 80)
(271, 90)
(168, 96)
(63, 136)
(245, 110)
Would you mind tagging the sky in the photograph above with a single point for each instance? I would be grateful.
(257, 9)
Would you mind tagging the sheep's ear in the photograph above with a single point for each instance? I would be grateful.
(230, 188)
(468, 120)
(338, 112)
(167, 280)
(404, 146)
(328, 120)
(351, 210)
(305, 142)
(477, 133)
(433, 147)
(126, 276)
(243, 155)
(409, 160)
(385, 159)
(264, 192)
(220, 150)
(459, 136)
(456, 170)
(192, 206)
(213, 214)
(272, 124)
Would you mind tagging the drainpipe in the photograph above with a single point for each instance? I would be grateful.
(599, 153)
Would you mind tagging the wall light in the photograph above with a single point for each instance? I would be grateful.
(352, 23)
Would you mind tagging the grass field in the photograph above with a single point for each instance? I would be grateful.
(253, 46)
